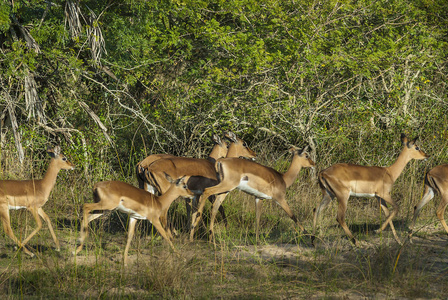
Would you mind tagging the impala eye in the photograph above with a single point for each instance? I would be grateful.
(417, 148)
(64, 158)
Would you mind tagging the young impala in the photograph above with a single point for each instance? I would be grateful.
(436, 181)
(137, 203)
(345, 180)
(254, 179)
(32, 195)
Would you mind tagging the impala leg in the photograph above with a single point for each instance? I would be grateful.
(427, 196)
(87, 218)
(188, 206)
(342, 209)
(283, 204)
(383, 206)
(4, 215)
(85, 230)
(196, 216)
(44, 216)
(194, 206)
(131, 230)
(222, 187)
(164, 222)
(441, 211)
(390, 217)
(258, 207)
(33, 211)
(218, 200)
(162, 232)
(323, 204)
(212, 200)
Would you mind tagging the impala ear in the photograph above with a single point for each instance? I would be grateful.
(181, 180)
(57, 150)
(411, 143)
(217, 139)
(292, 149)
(231, 136)
(404, 139)
(305, 149)
(53, 152)
(168, 177)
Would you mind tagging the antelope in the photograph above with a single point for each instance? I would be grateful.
(141, 169)
(254, 179)
(201, 171)
(436, 180)
(32, 195)
(344, 180)
(219, 150)
(137, 203)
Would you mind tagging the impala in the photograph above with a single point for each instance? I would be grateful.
(202, 171)
(254, 179)
(137, 203)
(218, 150)
(32, 195)
(436, 180)
(345, 180)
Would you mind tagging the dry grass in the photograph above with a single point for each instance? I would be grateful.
(282, 265)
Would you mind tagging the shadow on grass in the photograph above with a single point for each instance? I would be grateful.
(368, 228)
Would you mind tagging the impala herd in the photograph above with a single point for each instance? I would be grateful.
(163, 178)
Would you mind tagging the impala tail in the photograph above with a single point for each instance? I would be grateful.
(323, 183)
(219, 171)
(96, 196)
(140, 173)
(429, 181)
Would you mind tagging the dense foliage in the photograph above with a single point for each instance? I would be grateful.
(117, 80)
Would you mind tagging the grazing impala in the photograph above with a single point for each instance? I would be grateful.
(254, 179)
(345, 180)
(202, 171)
(436, 181)
(137, 203)
(32, 195)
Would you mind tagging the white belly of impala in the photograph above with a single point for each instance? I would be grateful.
(361, 194)
(244, 186)
(15, 207)
(130, 212)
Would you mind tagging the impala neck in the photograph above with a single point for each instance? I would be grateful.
(293, 170)
(49, 179)
(215, 154)
(398, 166)
(167, 198)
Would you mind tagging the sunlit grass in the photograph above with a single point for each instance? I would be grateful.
(283, 264)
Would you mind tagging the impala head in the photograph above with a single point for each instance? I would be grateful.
(60, 158)
(304, 156)
(181, 186)
(238, 147)
(412, 149)
(220, 148)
